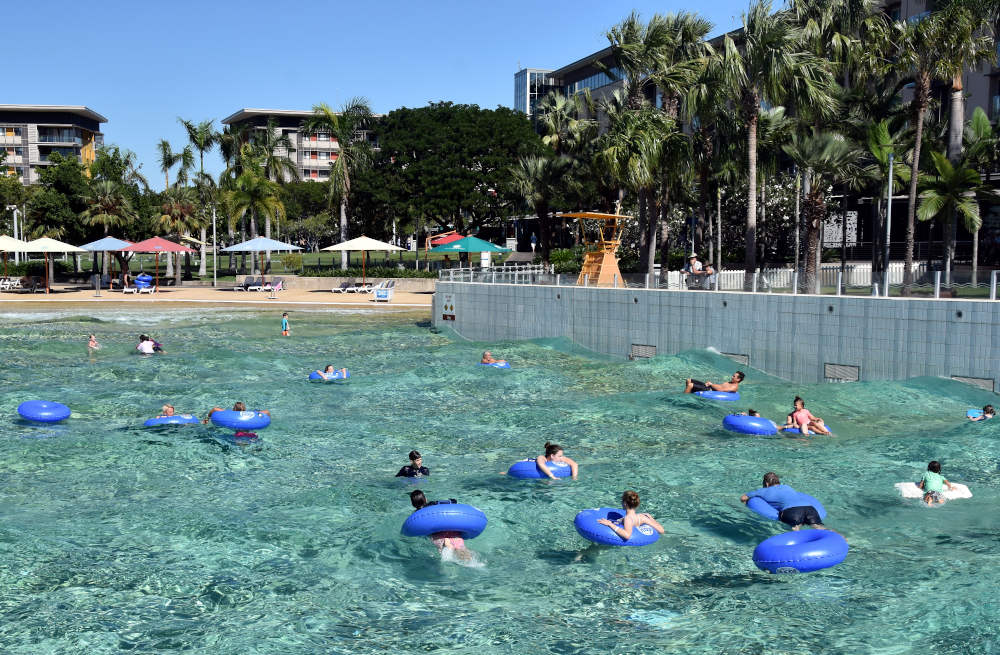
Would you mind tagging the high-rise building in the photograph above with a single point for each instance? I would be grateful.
(30, 134)
(312, 154)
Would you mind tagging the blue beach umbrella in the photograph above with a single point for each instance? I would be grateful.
(107, 244)
(261, 244)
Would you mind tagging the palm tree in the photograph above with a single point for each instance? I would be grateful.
(980, 151)
(880, 144)
(109, 207)
(536, 180)
(168, 159)
(254, 194)
(682, 58)
(203, 138)
(353, 154)
(951, 193)
(826, 158)
(770, 63)
(179, 214)
(638, 49)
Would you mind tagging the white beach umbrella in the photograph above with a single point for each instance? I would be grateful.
(363, 244)
(46, 245)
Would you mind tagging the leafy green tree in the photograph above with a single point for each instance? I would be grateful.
(826, 158)
(536, 179)
(770, 63)
(353, 153)
(179, 217)
(54, 209)
(254, 195)
(108, 206)
(167, 159)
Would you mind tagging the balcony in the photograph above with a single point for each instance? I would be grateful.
(60, 138)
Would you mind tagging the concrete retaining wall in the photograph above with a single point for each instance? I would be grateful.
(800, 338)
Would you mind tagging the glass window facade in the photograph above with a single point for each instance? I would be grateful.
(530, 86)
(594, 81)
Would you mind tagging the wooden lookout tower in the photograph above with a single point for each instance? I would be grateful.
(600, 263)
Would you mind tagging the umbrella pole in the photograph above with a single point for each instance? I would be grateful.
(363, 258)
(46, 272)
(156, 269)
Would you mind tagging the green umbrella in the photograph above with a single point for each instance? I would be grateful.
(469, 244)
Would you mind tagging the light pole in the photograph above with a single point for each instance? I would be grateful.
(888, 224)
(215, 250)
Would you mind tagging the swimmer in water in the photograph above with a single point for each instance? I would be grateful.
(802, 420)
(987, 414)
(415, 469)
(237, 407)
(489, 359)
(92, 344)
(631, 520)
(446, 539)
(166, 412)
(693, 386)
(328, 372)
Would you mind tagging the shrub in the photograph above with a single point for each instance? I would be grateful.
(292, 261)
(566, 260)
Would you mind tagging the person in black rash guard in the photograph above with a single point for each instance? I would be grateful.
(414, 468)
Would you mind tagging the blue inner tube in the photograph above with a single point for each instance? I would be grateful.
(176, 419)
(448, 517)
(800, 552)
(974, 413)
(528, 469)
(234, 420)
(761, 507)
(497, 365)
(727, 396)
(336, 375)
(588, 527)
(749, 424)
(43, 411)
(798, 431)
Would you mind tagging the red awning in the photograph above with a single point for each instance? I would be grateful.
(157, 244)
(445, 238)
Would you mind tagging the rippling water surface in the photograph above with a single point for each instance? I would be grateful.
(116, 538)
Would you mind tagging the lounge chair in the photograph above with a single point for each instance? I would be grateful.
(359, 288)
(255, 284)
(344, 286)
(149, 289)
(277, 284)
(130, 289)
(242, 286)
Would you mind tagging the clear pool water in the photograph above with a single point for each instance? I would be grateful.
(115, 538)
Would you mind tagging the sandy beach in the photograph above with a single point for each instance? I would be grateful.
(168, 296)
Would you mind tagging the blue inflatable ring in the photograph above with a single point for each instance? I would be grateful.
(445, 517)
(749, 424)
(249, 421)
(43, 411)
(727, 396)
(176, 419)
(336, 375)
(528, 469)
(588, 527)
(800, 552)
(761, 507)
(798, 431)
(497, 364)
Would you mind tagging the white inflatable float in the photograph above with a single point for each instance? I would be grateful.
(911, 490)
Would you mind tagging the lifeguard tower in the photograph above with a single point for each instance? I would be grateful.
(600, 263)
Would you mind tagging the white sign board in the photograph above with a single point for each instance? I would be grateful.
(447, 307)
(832, 230)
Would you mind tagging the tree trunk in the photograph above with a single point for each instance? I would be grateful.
(202, 265)
(956, 120)
(950, 233)
(814, 210)
(661, 213)
(975, 259)
(654, 219)
(542, 210)
(170, 265)
(718, 230)
(267, 234)
(919, 105)
(178, 271)
(750, 262)
(343, 230)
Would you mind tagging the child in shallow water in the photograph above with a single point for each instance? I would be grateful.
(446, 539)
(933, 483)
(92, 344)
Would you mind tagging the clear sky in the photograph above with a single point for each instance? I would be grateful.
(143, 64)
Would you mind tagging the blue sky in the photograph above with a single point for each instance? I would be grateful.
(143, 64)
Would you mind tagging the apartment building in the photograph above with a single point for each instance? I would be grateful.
(312, 153)
(30, 134)
(981, 86)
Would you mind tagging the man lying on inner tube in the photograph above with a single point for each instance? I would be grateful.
(732, 386)
(794, 508)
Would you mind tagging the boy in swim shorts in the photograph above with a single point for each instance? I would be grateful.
(284, 324)
(794, 508)
(933, 484)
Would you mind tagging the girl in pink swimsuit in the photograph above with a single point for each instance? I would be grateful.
(804, 421)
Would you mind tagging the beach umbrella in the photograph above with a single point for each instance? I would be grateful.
(45, 245)
(156, 245)
(363, 244)
(469, 244)
(107, 244)
(261, 244)
(10, 244)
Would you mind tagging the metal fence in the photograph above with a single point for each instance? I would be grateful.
(855, 279)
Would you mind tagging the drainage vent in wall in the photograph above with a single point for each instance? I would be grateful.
(982, 383)
(841, 372)
(739, 359)
(642, 351)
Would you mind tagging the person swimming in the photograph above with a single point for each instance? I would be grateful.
(489, 359)
(447, 539)
(803, 420)
(988, 413)
(329, 372)
(237, 407)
